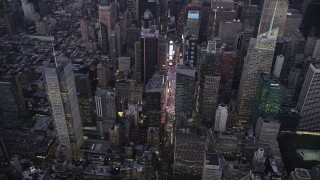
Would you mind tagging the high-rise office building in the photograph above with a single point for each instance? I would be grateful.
(190, 57)
(274, 14)
(278, 66)
(124, 64)
(250, 14)
(310, 45)
(309, 22)
(7, 17)
(132, 35)
(221, 117)
(228, 32)
(147, 19)
(154, 97)
(116, 135)
(103, 38)
(146, 55)
(184, 94)
(293, 22)
(12, 110)
(309, 103)
(316, 51)
(193, 22)
(113, 43)
(29, 11)
(222, 11)
(228, 69)
(62, 96)
(86, 105)
(132, 7)
(270, 94)
(205, 25)
(258, 60)
(105, 108)
(153, 136)
(119, 38)
(209, 82)
(106, 15)
(143, 5)
(188, 152)
(191, 37)
(128, 90)
(84, 30)
(104, 75)
(267, 130)
(162, 53)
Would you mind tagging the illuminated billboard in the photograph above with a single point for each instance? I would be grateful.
(193, 15)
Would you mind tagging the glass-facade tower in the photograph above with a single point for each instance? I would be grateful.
(269, 96)
(62, 96)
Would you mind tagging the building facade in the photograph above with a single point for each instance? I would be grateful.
(308, 103)
(221, 118)
(184, 94)
(61, 90)
(258, 60)
(270, 95)
(274, 14)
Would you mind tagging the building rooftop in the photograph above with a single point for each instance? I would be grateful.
(151, 32)
(316, 65)
(42, 123)
(212, 159)
(271, 80)
(302, 173)
(27, 144)
(98, 170)
(155, 84)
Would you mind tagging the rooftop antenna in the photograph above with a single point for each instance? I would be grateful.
(272, 20)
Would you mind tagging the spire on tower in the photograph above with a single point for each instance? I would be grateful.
(273, 15)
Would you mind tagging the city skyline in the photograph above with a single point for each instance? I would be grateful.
(146, 89)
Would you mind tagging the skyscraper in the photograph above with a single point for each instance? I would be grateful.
(143, 5)
(106, 108)
(104, 75)
(84, 30)
(103, 38)
(146, 55)
(12, 110)
(62, 97)
(154, 97)
(309, 22)
(221, 118)
(190, 38)
(209, 82)
(185, 83)
(267, 130)
(188, 151)
(278, 66)
(29, 11)
(258, 60)
(309, 100)
(274, 14)
(83, 87)
(106, 15)
(293, 22)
